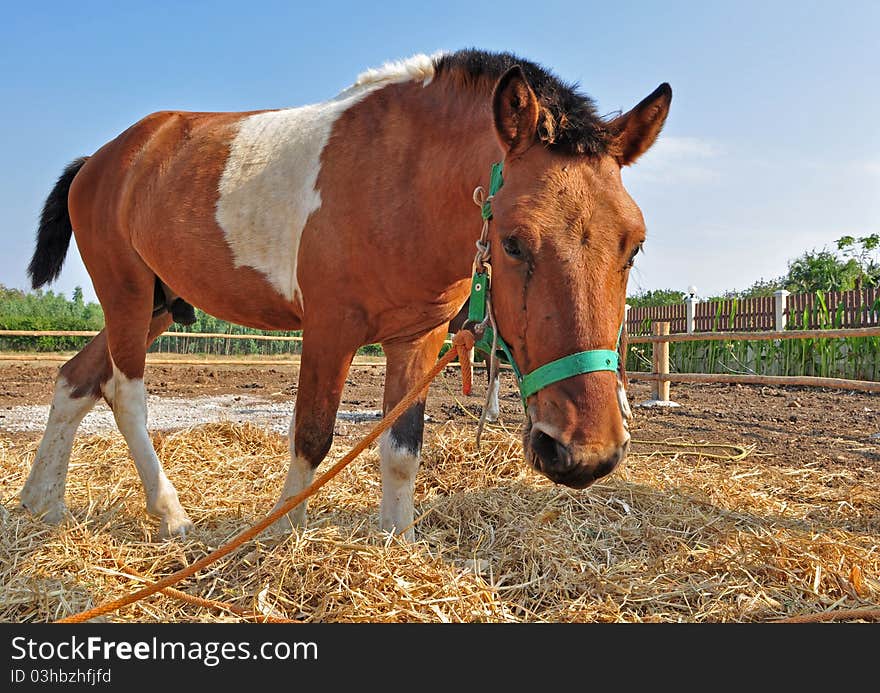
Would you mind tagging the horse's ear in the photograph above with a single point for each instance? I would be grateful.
(515, 108)
(634, 132)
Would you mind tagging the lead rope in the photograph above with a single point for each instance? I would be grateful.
(276, 514)
(481, 260)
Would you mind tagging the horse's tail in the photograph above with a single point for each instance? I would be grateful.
(53, 234)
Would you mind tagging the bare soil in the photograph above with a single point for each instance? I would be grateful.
(794, 425)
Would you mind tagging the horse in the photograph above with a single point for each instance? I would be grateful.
(353, 220)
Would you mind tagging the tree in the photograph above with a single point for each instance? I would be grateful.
(865, 251)
(821, 270)
(656, 297)
(762, 287)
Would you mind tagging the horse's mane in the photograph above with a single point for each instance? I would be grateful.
(568, 122)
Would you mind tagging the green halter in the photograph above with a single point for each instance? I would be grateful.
(565, 367)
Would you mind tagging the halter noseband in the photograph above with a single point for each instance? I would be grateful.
(489, 340)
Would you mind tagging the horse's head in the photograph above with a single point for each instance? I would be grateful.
(564, 235)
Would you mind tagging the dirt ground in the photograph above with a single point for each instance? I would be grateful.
(795, 425)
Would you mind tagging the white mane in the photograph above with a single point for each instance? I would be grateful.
(418, 68)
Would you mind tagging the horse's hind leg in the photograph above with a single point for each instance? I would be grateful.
(80, 383)
(77, 388)
(127, 397)
(400, 446)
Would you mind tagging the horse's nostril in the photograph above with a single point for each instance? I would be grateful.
(553, 455)
(572, 465)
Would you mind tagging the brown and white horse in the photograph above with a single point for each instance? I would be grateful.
(353, 220)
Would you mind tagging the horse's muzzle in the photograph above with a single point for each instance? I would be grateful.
(572, 465)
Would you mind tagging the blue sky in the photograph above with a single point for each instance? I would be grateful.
(772, 146)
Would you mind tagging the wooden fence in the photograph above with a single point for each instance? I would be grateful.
(841, 309)
(856, 308)
(660, 374)
(661, 377)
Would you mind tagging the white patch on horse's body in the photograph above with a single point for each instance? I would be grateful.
(268, 187)
(128, 400)
(399, 466)
(43, 493)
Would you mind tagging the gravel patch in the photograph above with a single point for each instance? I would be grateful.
(172, 413)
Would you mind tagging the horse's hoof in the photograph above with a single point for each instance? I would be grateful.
(51, 513)
(175, 527)
(293, 520)
(280, 528)
(408, 536)
(285, 525)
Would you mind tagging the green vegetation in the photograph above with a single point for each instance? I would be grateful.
(220, 346)
(854, 264)
(656, 297)
(854, 357)
(865, 251)
(47, 310)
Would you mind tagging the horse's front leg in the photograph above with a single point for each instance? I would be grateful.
(324, 364)
(493, 408)
(400, 446)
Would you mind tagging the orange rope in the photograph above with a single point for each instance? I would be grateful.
(277, 514)
(464, 341)
(208, 603)
(842, 615)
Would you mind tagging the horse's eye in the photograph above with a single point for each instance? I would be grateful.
(512, 247)
(632, 258)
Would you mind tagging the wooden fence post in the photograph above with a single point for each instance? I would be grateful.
(660, 357)
(660, 392)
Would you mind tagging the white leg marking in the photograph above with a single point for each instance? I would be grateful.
(299, 475)
(128, 399)
(43, 493)
(493, 409)
(399, 467)
(625, 409)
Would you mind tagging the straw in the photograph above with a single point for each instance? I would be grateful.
(693, 531)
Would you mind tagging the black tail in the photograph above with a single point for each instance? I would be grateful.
(53, 236)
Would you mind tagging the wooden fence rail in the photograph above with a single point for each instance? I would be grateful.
(194, 335)
(740, 336)
(810, 381)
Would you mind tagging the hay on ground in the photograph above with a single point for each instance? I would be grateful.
(682, 533)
